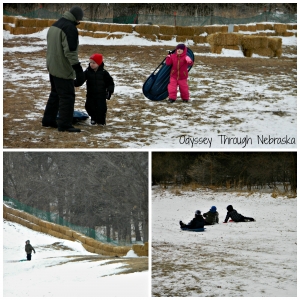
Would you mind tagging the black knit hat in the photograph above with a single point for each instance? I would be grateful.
(229, 208)
(77, 12)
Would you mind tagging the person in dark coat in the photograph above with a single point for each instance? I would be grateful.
(63, 67)
(197, 222)
(29, 249)
(100, 86)
(235, 216)
(211, 217)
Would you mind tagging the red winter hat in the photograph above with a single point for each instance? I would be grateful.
(97, 58)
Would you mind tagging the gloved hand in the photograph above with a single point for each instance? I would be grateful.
(188, 59)
(79, 74)
(108, 95)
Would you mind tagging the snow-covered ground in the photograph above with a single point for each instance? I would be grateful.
(51, 274)
(245, 109)
(253, 259)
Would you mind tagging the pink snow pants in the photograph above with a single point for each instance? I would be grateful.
(183, 88)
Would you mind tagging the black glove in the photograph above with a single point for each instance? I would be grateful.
(79, 74)
(170, 52)
(108, 95)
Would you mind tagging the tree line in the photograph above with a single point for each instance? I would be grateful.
(226, 169)
(93, 11)
(102, 189)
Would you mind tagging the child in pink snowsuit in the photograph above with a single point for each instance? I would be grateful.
(179, 73)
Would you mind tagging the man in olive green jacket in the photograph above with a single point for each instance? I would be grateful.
(212, 216)
(63, 67)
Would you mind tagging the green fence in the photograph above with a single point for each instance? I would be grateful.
(172, 20)
(55, 218)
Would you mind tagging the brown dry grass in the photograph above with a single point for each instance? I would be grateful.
(131, 120)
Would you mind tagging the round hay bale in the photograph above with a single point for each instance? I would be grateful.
(167, 30)
(121, 28)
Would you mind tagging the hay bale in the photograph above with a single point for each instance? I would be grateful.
(224, 39)
(4, 214)
(251, 28)
(146, 246)
(81, 238)
(199, 39)
(280, 28)
(254, 42)
(264, 52)
(121, 28)
(185, 30)
(88, 248)
(278, 53)
(42, 223)
(248, 52)
(42, 23)
(199, 30)
(163, 37)
(51, 22)
(260, 27)
(69, 233)
(9, 19)
(55, 234)
(87, 33)
(28, 22)
(232, 47)
(36, 228)
(20, 30)
(275, 43)
(44, 230)
(8, 209)
(269, 27)
(167, 30)
(147, 29)
(183, 39)
(243, 28)
(235, 28)
(89, 241)
(105, 27)
(76, 234)
(216, 49)
(294, 26)
(90, 26)
(149, 37)
(288, 33)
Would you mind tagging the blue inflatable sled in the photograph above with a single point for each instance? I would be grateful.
(78, 116)
(193, 229)
(156, 86)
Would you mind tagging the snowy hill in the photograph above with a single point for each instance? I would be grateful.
(63, 268)
(253, 259)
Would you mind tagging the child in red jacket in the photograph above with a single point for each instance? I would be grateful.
(179, 73)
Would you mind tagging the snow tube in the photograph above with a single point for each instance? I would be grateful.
(156, 86)
(193, 229)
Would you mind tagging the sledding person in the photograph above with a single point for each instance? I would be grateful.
(100, 86)
(29, 249)
(235, 216)
(197, 222)
(180, 62)
(211, 217)
(62, 65)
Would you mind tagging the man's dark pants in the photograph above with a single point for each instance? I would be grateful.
(62, 100)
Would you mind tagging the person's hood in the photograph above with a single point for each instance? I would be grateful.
(184, 53)
(69, 16)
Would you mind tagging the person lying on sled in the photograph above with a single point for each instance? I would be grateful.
(235, 216)
(211, 217)
(197, 222)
